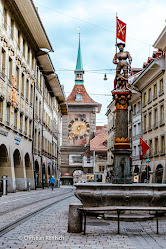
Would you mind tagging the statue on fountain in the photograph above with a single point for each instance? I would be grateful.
(120, 59)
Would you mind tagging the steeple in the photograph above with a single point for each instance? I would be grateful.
(79, 67)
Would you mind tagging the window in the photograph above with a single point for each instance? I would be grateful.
(35, 142)
(8, 115)
(26, 125)
(39, 141)
(21, 122)
(19, 39)
(29, 55)
(30, 128)
(101, 168)
(150, 120)
(161, 86)
(79, 76)
(134, 110)
(139, 107)
(79, 97)
(155, 91)
(36, 105)
(27, 91)
(156, 146)
(134, 130)
(139, 128)
(3, 62)
(135, 151)
(161, 114)
(15, 119)
(40, 110)
(1, 110)
(155, 118)
(12, 28)
(162, 144)
(150, 149)
(10, 71)
(88, 159)
(144, 99)
(31, 96)
(22, 85)
(144, 123)
(4, 20)
(149, 95)
(24, 47)
(18, 78)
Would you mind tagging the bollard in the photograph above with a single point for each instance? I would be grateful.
(29, 186)
(4, 182)
(75, 219)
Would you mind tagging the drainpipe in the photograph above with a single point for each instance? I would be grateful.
(41, 152)
(33, 133)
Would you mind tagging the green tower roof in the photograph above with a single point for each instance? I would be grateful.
(79, 65)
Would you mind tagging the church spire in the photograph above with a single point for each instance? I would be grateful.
(79, 71)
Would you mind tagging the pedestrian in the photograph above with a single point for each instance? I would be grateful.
(52, 181)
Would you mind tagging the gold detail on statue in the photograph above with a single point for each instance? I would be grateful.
(121, 140)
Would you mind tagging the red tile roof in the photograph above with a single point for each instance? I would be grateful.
(98, 142)
(85, 97)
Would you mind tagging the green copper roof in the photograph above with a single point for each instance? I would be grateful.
(79, 65)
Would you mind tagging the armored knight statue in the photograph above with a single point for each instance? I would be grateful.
(120, 59)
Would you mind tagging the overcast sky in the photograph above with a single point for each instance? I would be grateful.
(145, 20)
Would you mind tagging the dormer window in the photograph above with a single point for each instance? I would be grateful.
(79, 97)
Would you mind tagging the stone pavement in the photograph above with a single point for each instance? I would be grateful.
(49, 230)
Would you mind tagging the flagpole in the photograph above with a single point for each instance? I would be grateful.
(116, 32)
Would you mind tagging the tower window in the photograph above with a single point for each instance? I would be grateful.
(79, 76)
(79, 97)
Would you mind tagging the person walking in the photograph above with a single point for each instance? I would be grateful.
(52, 181)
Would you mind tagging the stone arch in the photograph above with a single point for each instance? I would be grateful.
(18, 167)
(5, 166)
(159, 174)
(28, 166)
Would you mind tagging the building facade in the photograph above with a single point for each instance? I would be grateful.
(25, 74)
(151, 85)
(78, 128)
(98, 146)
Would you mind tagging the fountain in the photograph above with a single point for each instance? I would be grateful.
(122, 192)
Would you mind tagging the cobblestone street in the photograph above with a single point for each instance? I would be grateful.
(48, 229)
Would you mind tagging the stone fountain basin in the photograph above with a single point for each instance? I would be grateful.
(100, 194)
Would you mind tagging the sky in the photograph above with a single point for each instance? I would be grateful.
(145, 20)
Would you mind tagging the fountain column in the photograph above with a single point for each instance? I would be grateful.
(121, 149)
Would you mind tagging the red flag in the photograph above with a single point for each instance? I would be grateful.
(143, 147)
(120, 30)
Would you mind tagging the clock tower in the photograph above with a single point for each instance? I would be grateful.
(78, 127)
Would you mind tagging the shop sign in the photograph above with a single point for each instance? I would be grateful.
(90, 177)
(18, 139)
(4, 133)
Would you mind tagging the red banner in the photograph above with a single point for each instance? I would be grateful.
(120, 30)
(143, 147)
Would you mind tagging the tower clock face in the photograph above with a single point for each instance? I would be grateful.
(78, 128)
